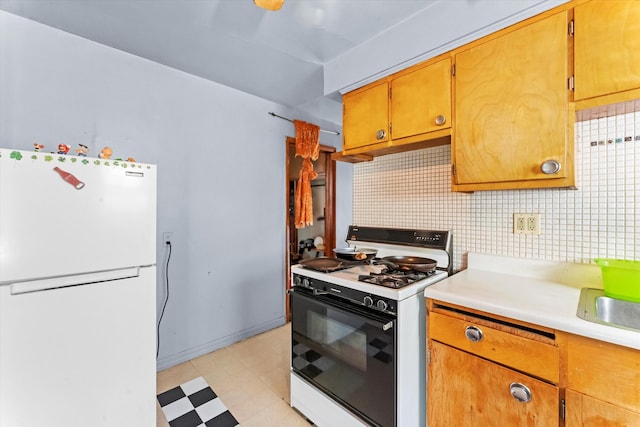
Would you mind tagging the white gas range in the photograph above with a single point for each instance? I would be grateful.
(358, 330)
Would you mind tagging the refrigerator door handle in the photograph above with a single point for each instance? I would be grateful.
(77, 280)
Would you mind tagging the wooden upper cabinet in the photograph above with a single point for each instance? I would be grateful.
(421, 100)
(365, 118)
(408, 110)
(607, 49)
(512, 111)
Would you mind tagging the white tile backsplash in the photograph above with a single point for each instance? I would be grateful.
(599, 219)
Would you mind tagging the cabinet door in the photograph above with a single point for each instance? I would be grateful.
(366, 116)
(607, 47)
(465, 390)
(606, 371)
(512, 109)
(585, 411)
(421, 100)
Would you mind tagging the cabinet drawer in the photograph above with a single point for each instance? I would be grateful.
(523, 354)
(605, 371)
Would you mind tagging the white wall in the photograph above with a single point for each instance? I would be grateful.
(221, 168)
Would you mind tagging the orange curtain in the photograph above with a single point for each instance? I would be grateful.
(307, 147)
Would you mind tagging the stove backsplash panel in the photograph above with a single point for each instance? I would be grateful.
(600, 219)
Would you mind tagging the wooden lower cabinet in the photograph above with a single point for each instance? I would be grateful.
(480, 363)
(603, 384)
(587, 411)
(520, 349)
(466, 390)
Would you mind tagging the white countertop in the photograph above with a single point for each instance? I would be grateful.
(544, 293)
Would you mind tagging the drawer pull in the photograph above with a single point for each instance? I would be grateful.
(473, 333)
(520, 392)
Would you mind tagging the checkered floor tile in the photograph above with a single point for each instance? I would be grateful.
(194, 404)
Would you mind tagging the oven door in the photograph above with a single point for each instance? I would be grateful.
(348, 352)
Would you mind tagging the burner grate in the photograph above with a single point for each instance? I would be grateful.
(395, 278)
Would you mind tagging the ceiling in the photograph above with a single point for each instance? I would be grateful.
(279, 56)
(301, 56)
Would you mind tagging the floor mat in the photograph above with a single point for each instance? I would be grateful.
(195, 404)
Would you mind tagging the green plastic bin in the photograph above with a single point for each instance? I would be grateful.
(621, 278)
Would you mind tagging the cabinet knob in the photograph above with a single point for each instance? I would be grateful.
(381, 134)
(520, 392)
(440, 120)
(550, 167)
(473, 333)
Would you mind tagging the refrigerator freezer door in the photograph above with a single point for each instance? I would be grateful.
(66, 215)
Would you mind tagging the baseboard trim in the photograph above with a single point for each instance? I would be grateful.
(193, 352)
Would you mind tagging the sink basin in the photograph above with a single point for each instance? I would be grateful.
(594, 306)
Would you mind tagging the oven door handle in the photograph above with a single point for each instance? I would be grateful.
(380, 325)
(315, 292)
(383, 325)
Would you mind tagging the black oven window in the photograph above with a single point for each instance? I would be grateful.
(340, 340)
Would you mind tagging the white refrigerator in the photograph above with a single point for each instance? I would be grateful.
(77, 291)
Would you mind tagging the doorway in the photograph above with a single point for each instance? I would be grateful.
(301, 243)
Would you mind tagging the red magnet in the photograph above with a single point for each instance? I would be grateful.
(69, 178)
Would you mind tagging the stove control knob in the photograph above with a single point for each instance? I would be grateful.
(368, 301)
(297, 280)
(305, 282)
(382, 305)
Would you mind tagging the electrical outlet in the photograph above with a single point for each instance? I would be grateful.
(533, 224)
(167, 236)
(526, 223)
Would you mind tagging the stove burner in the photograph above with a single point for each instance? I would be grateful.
(395, 278)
